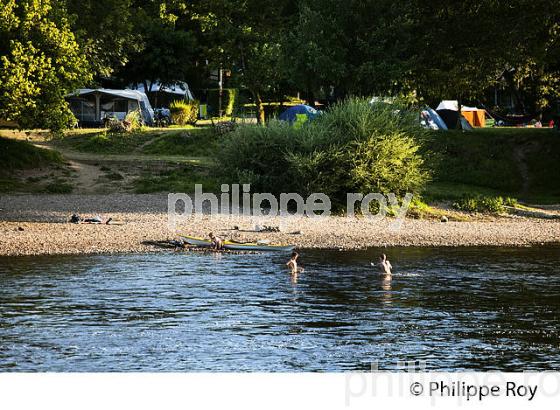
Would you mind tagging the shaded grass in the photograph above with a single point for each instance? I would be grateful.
(102, 142)
(182, 179)
(192, 142)
(201, 142)
(10, 184)
(16, 155)
(496, 161)
(59, 187)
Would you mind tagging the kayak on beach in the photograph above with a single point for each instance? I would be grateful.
(237, 246)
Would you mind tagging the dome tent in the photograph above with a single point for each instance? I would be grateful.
(293, 114)
(448, 110)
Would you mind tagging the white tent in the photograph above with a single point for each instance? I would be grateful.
(93, 105)
(452, 105)
(180, 88)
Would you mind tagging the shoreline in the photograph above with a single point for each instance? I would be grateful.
(36, 225)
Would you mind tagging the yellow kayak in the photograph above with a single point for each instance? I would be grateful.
(237, 246)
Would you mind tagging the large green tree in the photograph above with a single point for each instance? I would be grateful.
(245, 36)
(105, 32)
(465, 47)
(166, 53)
(40, 62)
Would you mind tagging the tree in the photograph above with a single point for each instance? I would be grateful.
(464, 47)
(40, 62)
(105, 32)
(166, 53)
(245, 36)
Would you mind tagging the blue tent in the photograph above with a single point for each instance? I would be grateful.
(292, 113)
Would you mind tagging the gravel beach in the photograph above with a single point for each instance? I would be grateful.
(38, 225)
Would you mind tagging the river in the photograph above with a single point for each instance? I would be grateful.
(446, 309)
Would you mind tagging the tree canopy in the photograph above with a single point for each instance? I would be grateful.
(424, 51)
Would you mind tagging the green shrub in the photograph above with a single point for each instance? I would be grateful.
(259, 156)
(133, 121)
(59, 187)
(353, 147)
(511, 202)
(184, 112)
(229, 100)
(486, 204)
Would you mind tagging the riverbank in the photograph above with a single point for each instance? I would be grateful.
(37, 225)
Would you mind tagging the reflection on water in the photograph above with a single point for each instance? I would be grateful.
(456, 309)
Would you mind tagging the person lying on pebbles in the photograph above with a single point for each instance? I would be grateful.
(76, 219)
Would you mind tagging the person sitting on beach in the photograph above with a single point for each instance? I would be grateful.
(217, 242)
(293, 265)
(384, 266)
(76, 219)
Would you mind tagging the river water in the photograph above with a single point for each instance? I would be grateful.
(445, 310)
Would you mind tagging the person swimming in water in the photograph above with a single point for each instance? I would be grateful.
(217, 242)
(384, 266)
(293, 265)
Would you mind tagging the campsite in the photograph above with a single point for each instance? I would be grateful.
(190, 190)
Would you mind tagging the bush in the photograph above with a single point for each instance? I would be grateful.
(229, 100)
(259, 156)
(59, 187)
(485, 204)
(353, 147)
(184, 112)
(133, 121)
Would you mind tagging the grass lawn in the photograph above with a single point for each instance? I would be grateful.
(15, 154)
(516, 162)
(181, 179)
(186, 141)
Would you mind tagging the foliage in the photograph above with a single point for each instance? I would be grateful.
(184, 112)
(40, 62)
(259, 156)
(165, 52)
(245, 36)
(353, 147)
(481, 204)
(105, 31)
(132, 122)
(229, 100)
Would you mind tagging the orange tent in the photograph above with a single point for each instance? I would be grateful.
(475, 117)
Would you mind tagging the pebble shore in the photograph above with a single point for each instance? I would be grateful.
(38, 225)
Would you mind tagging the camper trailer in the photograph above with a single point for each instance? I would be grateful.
(92, 107)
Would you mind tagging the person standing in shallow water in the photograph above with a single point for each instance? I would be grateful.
(292, 263)
(385, 267)
(294, 268)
